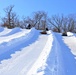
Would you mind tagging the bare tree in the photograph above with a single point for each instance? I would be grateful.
(56, 22)
(27, 21)
(71, 23)
(38, 18)
(8, 11)
(11, 19)
(64, 24)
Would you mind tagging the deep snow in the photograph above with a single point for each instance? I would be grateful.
(27, 52)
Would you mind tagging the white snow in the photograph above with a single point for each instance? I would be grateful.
(69, 34)
(71, 43)
(41, 61)
(27, 52)
(15, 33)
(5, 31)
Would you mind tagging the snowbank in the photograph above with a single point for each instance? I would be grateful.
(69, 33)
(71, 43)
(5, 31)
(14, 30)
(13, 34)
(15, 44)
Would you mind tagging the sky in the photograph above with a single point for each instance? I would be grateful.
(27, 7)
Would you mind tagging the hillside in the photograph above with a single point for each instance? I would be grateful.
(27, 52)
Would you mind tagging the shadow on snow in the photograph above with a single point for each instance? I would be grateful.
(17, 44)
(60, 61)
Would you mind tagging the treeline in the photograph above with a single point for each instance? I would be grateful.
(39, 20)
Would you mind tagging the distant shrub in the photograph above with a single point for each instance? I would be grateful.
(8, 26)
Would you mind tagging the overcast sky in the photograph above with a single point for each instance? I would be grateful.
(27, 7)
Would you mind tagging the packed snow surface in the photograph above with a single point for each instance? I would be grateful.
(27, 52)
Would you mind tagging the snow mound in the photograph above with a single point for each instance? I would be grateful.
(14, 30)
(13, 35)
(49, 32)
(15, 42)
(5, 31)
(69, 33)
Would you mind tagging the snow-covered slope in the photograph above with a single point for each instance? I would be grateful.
(71, 42)
(19, 51)
(14, 33)
(27, 52)
(5, 31)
